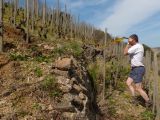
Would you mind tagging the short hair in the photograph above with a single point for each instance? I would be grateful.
(135, 37)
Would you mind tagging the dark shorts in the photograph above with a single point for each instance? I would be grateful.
(137, 74)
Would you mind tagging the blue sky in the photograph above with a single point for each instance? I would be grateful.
(120, 17)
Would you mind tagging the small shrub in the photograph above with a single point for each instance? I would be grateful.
(72, 48)
(49, 85)
(75, 48)
(93, 70)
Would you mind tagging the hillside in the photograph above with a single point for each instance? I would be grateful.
(35, 86)
(56, 71)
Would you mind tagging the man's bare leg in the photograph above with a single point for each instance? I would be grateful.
(129, 83)
(141, 91)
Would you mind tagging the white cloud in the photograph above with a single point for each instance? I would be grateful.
(128, 13)
(73, 4)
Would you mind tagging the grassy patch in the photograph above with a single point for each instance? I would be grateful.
(111, 106)
(71, 48)
(36, 106)
(42, 59)
(49, 84)
(18, 57)
(75, 48)
(93, 70)
(116, 75)
(147, 115)
(38, 72)
(121, 86)
(95, 73)
(59, 51)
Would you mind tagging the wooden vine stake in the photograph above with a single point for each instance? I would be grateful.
(104, 71)
(1, 25)
(27, 38)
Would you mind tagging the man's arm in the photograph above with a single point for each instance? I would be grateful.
(126, 49)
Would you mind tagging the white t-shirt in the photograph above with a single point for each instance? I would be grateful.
(136, 53)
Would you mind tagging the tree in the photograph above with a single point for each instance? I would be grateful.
(25, 10)
(104, 71)
(1, 25)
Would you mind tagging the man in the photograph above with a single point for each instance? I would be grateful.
(136, 52)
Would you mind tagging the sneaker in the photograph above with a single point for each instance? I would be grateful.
(148, 103)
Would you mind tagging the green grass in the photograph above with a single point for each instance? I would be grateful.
(93, 70)
(75, 48)
(147, 115)
(71, 48)
(38, 72)
(42, 58)
(18, 57)
(49, 84)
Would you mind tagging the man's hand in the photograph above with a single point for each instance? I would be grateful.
(126, 49)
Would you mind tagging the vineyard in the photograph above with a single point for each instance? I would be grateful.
(53, 66)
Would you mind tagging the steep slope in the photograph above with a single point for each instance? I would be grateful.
(35, 86)
(53, 78)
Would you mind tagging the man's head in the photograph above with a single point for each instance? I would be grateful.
(133, 39)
